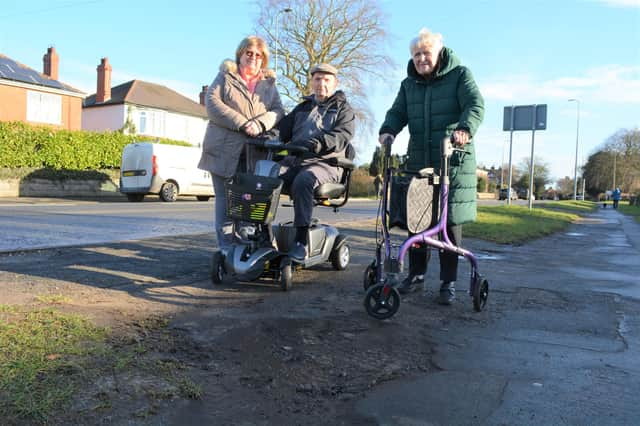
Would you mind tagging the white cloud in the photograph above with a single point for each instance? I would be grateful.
(620, 3)
(611, 83)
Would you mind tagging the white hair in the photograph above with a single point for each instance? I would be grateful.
(426, 39)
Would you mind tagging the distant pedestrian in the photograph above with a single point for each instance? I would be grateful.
(616, 197)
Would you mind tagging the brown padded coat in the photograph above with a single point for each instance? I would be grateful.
(230, 106)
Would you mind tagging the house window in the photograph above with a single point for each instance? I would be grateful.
(44, 107)
(143, 123)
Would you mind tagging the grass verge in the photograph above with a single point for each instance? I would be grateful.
(41, 360)
(47, 357)
(570, 206)
(633, 211)
(517, 224)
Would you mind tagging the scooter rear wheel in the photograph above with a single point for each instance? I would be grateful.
(341, 257)
(382, 301)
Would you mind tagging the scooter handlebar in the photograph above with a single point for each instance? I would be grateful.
(275, 144)
(295, 149)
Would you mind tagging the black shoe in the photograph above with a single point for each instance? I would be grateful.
(299, 252)
(410, 284)
(447, 293)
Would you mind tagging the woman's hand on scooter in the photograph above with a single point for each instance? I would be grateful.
(252, 128)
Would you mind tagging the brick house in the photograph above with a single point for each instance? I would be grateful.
(38, 98)
(143, 108)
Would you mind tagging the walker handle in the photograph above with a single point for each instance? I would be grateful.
(448, 147)
(387, 146)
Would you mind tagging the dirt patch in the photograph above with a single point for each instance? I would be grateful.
(184, 352)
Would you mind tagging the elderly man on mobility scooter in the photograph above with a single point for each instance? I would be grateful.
(323, 123)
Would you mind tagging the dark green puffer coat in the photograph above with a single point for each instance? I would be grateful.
(433, 108)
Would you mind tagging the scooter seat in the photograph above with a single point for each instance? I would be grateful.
(329, 190)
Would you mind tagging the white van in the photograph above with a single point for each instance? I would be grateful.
(166, 170)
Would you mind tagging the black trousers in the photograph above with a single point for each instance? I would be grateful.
(419, 257)
(300, 182)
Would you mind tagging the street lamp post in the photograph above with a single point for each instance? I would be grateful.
(575, 169)
(285, 10)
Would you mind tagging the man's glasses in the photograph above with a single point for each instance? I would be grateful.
(251, 54)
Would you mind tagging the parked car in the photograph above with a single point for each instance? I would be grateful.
(502, 195)
(524, 195)
(166, 170)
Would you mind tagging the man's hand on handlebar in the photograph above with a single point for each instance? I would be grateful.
(311, 146)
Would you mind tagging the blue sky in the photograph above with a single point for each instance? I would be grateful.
(520, 52)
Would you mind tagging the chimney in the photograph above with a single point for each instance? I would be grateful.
(50, 63)
(203, 94)
(103, 92)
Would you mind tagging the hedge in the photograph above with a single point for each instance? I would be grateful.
(23, 145)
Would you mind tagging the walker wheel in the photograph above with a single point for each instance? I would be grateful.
(286, 275)
(217, 267)
(369, 278)
(480, 293)
(382, 301)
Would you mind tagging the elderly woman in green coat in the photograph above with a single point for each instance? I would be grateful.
(439, 98)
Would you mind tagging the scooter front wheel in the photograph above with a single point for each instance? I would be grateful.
(217, 268)
(286, 274)
(382, 301)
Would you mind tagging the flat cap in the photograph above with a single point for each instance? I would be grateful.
(325, 68)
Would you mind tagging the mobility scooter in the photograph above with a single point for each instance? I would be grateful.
(260, 249)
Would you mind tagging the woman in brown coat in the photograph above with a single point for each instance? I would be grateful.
(242, 102)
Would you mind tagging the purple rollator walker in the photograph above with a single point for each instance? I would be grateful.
(382, 299)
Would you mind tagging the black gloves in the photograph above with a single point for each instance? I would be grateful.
(312, 145)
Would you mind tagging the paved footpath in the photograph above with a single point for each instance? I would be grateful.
(561, 345)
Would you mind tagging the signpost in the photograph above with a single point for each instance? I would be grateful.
(524, 117)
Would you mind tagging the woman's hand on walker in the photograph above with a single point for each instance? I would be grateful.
(385, 137)
(461, 137)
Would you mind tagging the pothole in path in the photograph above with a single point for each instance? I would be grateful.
(574, 234)
(488, 256)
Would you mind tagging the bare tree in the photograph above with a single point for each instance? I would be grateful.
(620, 154)
(540, 175)
(349, 34)
(625, 146)
(598, 172)
(565, 186)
